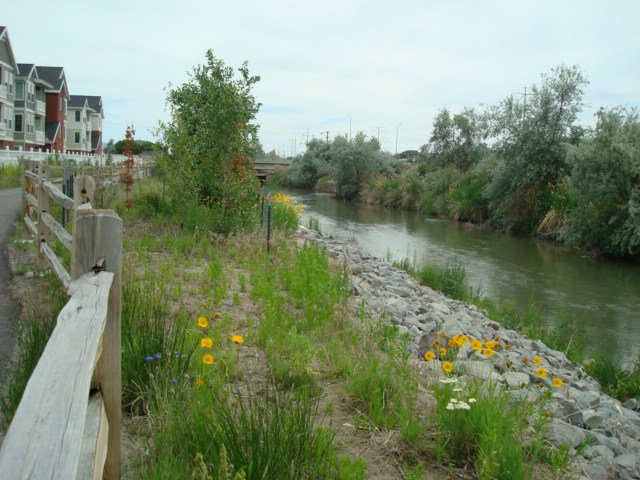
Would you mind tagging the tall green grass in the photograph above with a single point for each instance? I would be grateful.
(33, 332)
(10, 176)
(272, 436)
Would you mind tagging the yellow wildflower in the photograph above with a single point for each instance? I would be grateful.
(557, 382)
(447, 366)
(199, 382)
(541, 372)
(203, 322)
(443, 352)
(491, 345)
(206, 342)
(451, 343)
(488, 352)
(217, 314)
(537, 360)
(476, 345)
(208, 359)
(237, 339)
(428, 356)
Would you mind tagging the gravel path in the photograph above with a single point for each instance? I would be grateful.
(9, 207)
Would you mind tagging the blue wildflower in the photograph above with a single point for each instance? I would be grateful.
(158, 356)
(149, 359)
(174, 381)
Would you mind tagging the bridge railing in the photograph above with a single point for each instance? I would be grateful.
(67, 424)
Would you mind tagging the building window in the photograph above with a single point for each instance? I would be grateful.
(18, 123)
(77, 115)
(20, 91)
(77, 137)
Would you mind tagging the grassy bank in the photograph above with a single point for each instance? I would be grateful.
(566, 335)
(238, 363)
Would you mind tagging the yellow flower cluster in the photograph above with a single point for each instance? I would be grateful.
(206, 341)
(280, 199)
(486, 348)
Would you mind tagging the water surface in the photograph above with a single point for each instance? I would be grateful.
(605, 295)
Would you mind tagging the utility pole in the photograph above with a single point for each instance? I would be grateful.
(397, 128)
(327, 133)
(349, 126)
(307, 136)
(378, 127)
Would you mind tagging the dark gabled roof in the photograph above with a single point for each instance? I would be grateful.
(77, 101)
(51, 129)
(4, 33)
(25, 69)
(53, 75)
(95, 103)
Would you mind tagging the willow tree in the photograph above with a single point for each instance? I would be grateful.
(530, 134)
(211, 140)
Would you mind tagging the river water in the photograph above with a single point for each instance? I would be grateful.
(605, 295)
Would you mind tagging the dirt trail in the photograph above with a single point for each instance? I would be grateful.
(9, 207)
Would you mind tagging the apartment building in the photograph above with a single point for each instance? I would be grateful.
(8, 71)
(34, 104)
(30, 108)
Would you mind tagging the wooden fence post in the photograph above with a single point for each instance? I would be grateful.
(97, 235)
(26, 188)
(43, 207)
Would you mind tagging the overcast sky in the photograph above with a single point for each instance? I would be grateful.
(387, 67)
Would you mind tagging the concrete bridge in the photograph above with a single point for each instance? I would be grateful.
(264, 167)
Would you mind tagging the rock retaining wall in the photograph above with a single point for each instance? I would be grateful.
(579, 409)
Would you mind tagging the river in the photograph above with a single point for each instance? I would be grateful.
(605, 295)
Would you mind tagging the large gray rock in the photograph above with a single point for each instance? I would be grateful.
(562, 432)
(627, 466)
(516, 379)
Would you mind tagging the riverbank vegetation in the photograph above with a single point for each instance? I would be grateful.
(524, 165)
(565, 335)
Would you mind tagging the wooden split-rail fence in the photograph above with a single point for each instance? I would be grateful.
(67, 425)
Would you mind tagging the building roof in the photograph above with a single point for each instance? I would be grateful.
(4, 34)
(94, 103)
(51, 130)
(25, 69)
(54, 76)
(77, 101)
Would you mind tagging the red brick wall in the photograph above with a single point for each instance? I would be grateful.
(6, 143)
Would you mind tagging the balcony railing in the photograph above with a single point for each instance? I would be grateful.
(40, 138)
(3, 92)
(40, 106)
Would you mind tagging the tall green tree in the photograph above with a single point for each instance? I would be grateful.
(315, 163)
(455, 141)
(530, 136)
(605, 187)
(211, 139)
(355, 161)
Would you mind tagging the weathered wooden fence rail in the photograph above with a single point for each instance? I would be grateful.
(67, 425)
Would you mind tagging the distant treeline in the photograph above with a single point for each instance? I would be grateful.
(523, 165)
